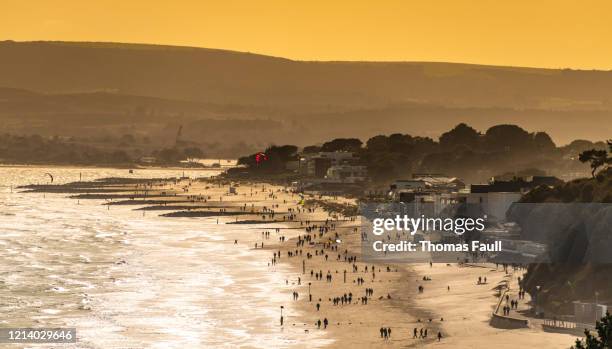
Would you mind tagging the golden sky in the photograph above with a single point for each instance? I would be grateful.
(539, 33)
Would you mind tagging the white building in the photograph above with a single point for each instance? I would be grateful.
(494, 200)
(430, 182)
(440, 182)
(317, 164)
(409, 184)
(347, 173)
(424, 188)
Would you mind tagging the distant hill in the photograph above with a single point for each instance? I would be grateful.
(219, 76)
(362, 98)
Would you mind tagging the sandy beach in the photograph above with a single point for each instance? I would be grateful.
(303, 241)
(458, 307)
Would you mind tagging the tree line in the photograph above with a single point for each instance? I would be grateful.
(462, 152)
(62, 150)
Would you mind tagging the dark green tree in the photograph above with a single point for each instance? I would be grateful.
(311, 149)
(378, 143)
(507, 138)
(462, 134)
(277, 158)
(342, 144)
(543, 142)
(603, 340)
(596, 158)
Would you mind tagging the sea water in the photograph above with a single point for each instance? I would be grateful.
(124, 280)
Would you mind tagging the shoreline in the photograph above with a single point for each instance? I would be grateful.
(451, 293)
(111, 166)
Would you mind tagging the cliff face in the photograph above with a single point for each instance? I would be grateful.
(575, 222)
(576, 233)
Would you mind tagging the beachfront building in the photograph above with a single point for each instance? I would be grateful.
(428, 194)
(332, 172)
(440, 182)
(432, 204)
(426, 188)
(347, 174)
(408, 185)
(588, 313)
(514, 249)
(494, 199)
(315, 165)
(436, 192)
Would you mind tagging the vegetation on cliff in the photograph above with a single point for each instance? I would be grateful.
(575, 222)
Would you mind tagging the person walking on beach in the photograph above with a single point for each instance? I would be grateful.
(389, 332)
(325, 323)
(439, 336)
(382, 330)
(415, 333)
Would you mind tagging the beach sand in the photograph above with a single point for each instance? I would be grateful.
(465, 309)
(459, 308)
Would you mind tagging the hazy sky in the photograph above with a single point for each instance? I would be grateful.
(540, 33)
